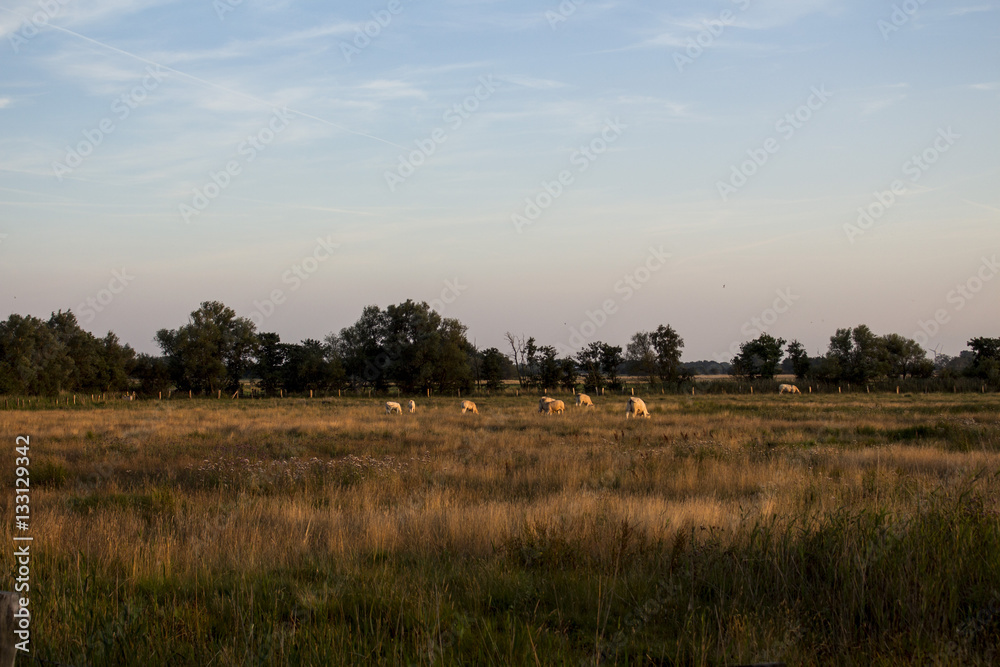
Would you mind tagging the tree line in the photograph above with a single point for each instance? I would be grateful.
(411, 347)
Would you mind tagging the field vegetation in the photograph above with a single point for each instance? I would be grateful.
(854, 529)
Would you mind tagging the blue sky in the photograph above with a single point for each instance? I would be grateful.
(574, 172)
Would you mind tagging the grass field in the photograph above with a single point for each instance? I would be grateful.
(835, 530)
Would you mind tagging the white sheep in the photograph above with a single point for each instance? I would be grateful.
(411, 406)
(790, 388)
(556, 407)
(582, 400)
(393, 407)
(469, 406)
(543, 403)
(636, 408)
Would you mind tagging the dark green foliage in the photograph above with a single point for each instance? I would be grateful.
(758, 358)
(271, 356)
(986, 362)
(56, 356)
(409, 345)
(799, 359)
(310, 365)
(212, 351)
(656, 355)
(492, 368)
(152, 373)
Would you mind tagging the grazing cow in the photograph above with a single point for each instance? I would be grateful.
(584, 400)
(469, 406)
(391, 407)
(556, 407)
(790, 388)
(411, 406)
(543, 403)
(636, 408)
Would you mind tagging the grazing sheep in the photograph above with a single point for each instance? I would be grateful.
(584, 400)
(556, 407)
(790, 388)
(391, 407)
(636, 408)
(411, 406)
(469, 406)
(543, 403)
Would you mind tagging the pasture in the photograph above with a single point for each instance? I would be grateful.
(855, 529)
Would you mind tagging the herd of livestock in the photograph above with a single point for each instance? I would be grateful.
(548, 406)
(636, 406)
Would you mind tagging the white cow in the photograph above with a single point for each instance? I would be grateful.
(790, 388)
(411, 406)
(582, 400)
(556, 407)
(636, 408)
(469, 406)
(392, 407)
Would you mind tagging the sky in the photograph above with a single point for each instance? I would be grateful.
(574, 171)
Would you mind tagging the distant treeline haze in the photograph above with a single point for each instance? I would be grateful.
(412, 348)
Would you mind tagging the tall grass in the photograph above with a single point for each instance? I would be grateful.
(848, 529)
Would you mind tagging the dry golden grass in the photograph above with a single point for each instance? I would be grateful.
(168, 491)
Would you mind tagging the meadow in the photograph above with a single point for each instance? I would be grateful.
(854, 529)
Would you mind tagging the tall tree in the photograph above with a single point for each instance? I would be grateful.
(517, 346)
(361, 350)
(212, 351)
(800, 359)
(903, 357)
(854, 355)
(311, 365)
(492, 368)
(569, 375)
(986, 360)
(611, 359)
(759, 358)
(589, 361)
(271, 356)
(549, 368)
(668, 344)
(640, 353)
